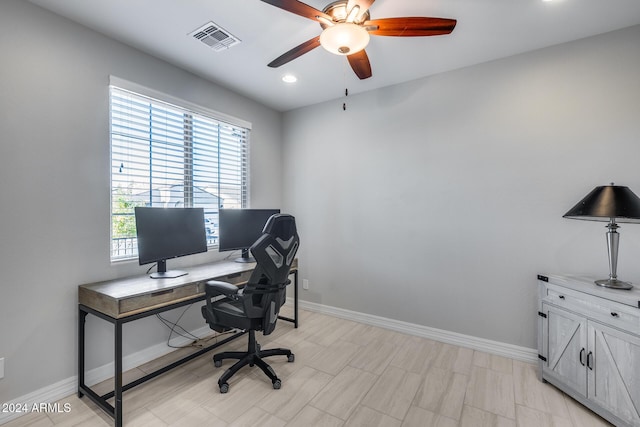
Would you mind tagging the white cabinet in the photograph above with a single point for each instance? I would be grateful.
(589, 345)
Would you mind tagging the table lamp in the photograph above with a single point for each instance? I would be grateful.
(609, 203)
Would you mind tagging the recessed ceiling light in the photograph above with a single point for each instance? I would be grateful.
(289, 78)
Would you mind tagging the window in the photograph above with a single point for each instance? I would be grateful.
(166, 155)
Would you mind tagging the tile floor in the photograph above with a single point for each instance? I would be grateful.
(345, 374)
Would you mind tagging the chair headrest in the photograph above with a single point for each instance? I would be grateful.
(281, 225)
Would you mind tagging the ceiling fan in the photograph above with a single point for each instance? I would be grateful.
(346, 26)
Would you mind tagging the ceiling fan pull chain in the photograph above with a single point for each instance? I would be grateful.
(344, 104)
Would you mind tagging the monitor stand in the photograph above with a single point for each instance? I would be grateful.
(246, 257)
(162, 272)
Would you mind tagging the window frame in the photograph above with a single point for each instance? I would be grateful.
(194, 112)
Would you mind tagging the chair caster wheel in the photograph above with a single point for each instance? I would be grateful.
(291, 358)
(224, 388)
(277, 384)
(217, 363)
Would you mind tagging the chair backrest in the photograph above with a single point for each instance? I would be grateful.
(274, 252)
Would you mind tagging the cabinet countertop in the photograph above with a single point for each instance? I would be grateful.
(586, 284)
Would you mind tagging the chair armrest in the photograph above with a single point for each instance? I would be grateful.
(215, 288)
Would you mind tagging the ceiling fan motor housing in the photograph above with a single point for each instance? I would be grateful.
(338, 12)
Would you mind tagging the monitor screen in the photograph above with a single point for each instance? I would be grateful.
(165, 233)
(240, 228)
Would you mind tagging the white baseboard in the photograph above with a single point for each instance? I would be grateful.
(47, 394)
(69, 386)
(494, 347)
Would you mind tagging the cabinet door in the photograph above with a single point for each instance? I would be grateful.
(566, 347)
(614, 371)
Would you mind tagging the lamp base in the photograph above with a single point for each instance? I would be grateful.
(614, 284)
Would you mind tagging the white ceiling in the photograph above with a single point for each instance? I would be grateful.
(486, 30)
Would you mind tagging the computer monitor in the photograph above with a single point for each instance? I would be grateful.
(165, 233)
(240, 228)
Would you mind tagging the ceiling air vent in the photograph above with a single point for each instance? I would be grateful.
(215, 36)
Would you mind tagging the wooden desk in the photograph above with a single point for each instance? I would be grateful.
(124, 300)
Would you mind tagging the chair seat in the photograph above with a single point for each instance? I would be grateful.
(231, 314)
(230, 307)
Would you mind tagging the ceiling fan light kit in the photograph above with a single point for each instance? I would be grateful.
(344, 38)
(346, 30)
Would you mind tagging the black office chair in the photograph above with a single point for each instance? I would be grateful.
(255, 307)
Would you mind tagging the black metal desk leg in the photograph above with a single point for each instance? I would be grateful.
(118, 375)
(295, 299)
(82, 317)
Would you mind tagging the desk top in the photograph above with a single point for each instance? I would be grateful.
(132, 295)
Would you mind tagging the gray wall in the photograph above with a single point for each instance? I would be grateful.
(438, 201)
(54, 186)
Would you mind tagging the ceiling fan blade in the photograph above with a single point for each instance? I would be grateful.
(295, 52)
(299, 8)
(364, 5)
(411, 26)
(360, 64)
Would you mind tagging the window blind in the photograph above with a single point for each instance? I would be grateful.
(164, 155)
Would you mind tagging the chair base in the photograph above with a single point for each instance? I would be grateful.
(253, 356)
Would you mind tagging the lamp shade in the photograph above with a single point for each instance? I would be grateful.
(606, 203)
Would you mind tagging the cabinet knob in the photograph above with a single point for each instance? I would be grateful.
(589, 359)
(582, 357)
(614, 314)
(561, 296)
